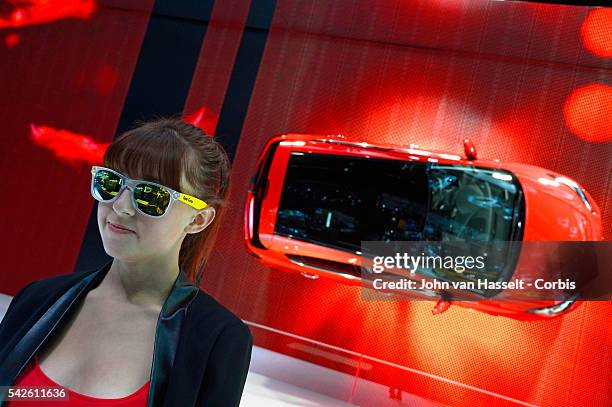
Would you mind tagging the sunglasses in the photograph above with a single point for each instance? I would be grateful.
(149, 198)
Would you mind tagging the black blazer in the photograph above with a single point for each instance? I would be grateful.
(201, 354)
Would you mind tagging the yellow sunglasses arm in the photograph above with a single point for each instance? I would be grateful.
(193, 201)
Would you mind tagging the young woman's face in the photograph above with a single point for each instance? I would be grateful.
(146, 239)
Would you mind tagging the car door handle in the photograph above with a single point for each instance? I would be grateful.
(310, 276)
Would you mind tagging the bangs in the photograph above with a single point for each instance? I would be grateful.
(158, 156)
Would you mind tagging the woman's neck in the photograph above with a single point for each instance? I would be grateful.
(144, 284)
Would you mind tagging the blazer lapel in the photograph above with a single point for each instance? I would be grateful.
(167, 336)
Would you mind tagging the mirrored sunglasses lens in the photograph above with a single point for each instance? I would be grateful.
(106, 185)
(152, 199)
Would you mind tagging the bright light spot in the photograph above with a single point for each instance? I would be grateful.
(596, 32)
(587, 112)
(503, 177)
(567, 181)
(293, 143)
(549, 182)
(418, 152)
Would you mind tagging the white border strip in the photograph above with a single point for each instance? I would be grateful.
(430, 375)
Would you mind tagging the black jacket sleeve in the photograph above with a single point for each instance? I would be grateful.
(227, 367)
(9, 318)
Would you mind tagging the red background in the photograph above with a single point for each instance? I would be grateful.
(69, 74)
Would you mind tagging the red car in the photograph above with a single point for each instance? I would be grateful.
(315, 198)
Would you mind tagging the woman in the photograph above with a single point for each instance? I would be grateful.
(138, 331)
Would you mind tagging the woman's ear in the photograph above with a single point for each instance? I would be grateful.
(201, 220)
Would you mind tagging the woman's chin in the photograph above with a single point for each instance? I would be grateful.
(119, 252)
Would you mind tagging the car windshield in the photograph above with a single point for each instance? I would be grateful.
(339, 201)
(469, 203)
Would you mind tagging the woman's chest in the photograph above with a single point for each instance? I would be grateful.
(102, 351)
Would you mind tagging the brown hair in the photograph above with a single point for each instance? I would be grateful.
(163, 150)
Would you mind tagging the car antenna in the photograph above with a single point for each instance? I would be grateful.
(470, 149)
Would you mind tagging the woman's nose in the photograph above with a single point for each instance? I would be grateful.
(123, 203)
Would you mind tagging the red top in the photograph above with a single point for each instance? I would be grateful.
(32, 375)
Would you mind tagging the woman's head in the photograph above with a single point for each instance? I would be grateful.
(180, 156)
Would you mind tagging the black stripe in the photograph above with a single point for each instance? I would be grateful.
(244, 74)
(168, 58)
(160, 84)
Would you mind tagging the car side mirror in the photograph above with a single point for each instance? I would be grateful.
(441, 306)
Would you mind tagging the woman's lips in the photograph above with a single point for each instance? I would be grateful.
(118, 229)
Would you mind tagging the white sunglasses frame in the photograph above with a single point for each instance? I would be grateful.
(130, 183)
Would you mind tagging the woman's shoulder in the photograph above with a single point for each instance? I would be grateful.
(57, 281)
(207, 313)
(47, 285)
